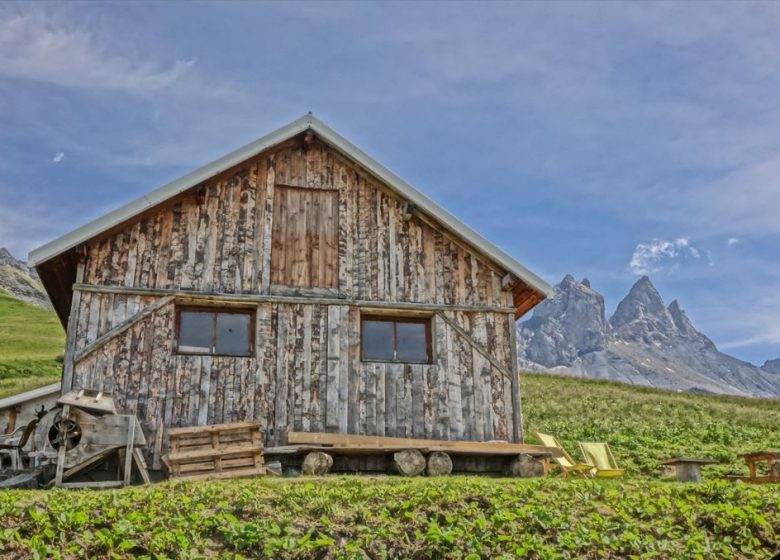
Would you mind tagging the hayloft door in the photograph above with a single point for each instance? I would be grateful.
(304, 250)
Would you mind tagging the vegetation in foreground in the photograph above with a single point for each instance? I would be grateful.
(644, 426)
(31, 343)
(386, 517)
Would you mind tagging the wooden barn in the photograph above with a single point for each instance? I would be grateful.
(298, 283)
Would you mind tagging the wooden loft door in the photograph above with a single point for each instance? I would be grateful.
(304, 250)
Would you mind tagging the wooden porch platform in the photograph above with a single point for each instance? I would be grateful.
(348, 444)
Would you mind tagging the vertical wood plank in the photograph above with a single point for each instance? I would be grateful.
(70, 345)
(418, 386)
(381, 400)
(517, 410)
(355, 397)
(344, 368)
(282, 364)
(307, 369)
(334, 356)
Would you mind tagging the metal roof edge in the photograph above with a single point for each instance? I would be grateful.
(13, 400)
(133, 208)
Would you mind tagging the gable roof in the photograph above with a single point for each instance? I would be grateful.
(307, 122)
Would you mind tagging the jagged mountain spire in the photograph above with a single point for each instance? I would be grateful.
(642, 300)
(680, 318)
(642, 315)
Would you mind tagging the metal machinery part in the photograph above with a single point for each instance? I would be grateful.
(64, 430)
(45, 427)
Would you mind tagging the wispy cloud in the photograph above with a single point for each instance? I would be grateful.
(659, 254)
(58, 157)
(94, 77)
(732, 242)
(37, 46)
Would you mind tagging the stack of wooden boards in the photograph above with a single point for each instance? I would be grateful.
(215, 451)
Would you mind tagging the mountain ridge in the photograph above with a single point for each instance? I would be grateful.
(21, 281)
(772, 366)
(644, 342)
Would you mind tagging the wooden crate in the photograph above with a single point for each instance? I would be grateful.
(215, 451)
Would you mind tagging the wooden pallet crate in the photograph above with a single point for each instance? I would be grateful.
(216, 451)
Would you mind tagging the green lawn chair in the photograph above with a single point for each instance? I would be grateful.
(599, 456)
(568, 465)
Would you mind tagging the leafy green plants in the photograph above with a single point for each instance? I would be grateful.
(386, 517)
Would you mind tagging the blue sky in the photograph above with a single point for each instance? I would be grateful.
(603, 140)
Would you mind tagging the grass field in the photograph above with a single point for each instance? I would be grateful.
(387, 517)
(644, 425)
(31, 340)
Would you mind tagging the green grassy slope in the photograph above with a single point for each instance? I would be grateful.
(644, 425)
(31, 339)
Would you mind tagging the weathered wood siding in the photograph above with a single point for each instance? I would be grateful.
(306, 373)
(219, 239)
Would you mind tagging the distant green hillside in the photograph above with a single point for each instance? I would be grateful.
(31, 345)
(645, 425)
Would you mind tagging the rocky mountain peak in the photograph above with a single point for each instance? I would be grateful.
(642, 314)
(6, 258)
(642, 300)
(570, 322)
(568, 280)
(680, 318)
(772, 366)
(685, 326)
(21, 281)
(644, 342)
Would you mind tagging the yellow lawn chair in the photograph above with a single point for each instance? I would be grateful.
(599, 456)
(568, 465)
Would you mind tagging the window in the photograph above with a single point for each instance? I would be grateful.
(220, 332)
(396, 339)
(305, 238)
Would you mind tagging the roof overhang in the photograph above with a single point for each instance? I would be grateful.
(308, 122)
(27, 396)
